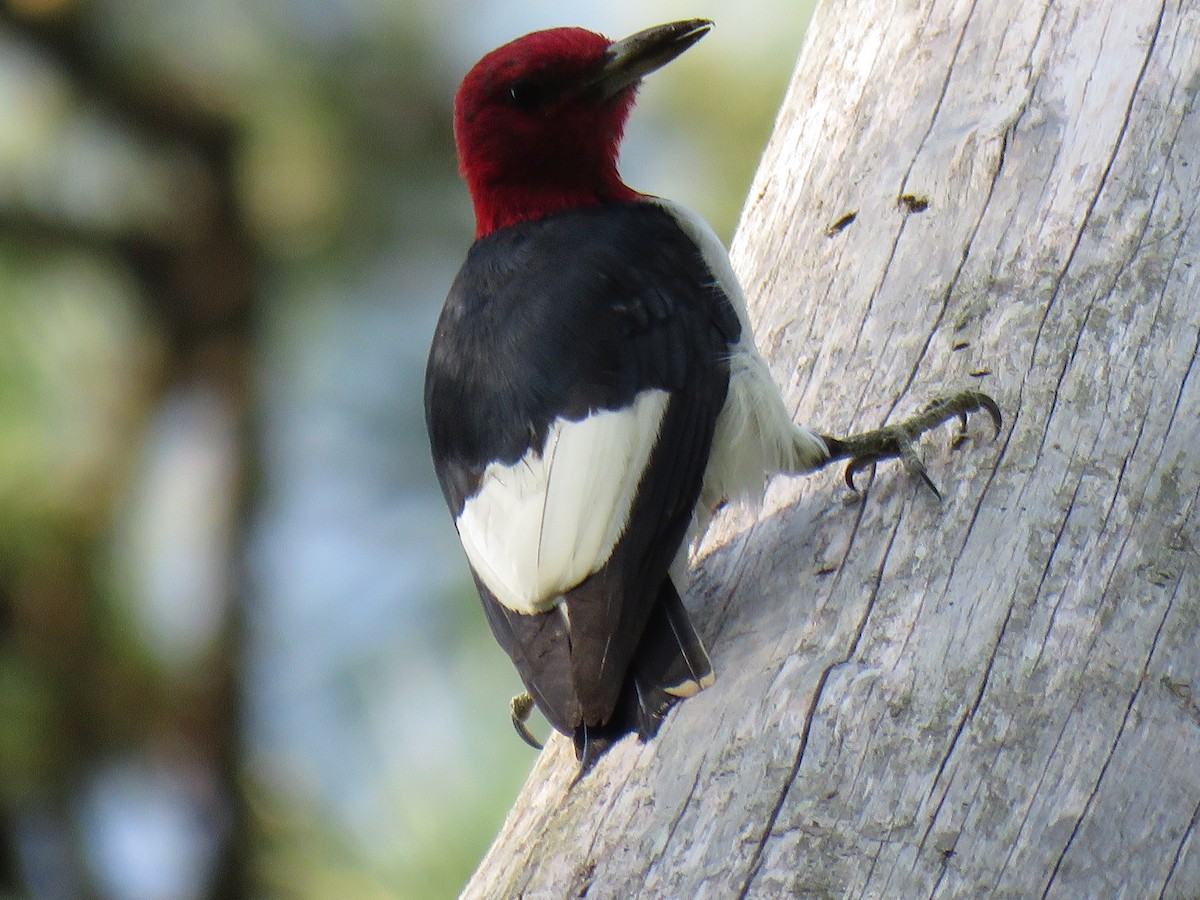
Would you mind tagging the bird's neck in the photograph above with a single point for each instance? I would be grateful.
(501, 204)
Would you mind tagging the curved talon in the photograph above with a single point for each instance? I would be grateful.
(521, 706)
(856, 466)
(525, 734)
(912, 462)
(993, 410)
(977, 400)
(915, 465)
(973, 401)
(989, 406)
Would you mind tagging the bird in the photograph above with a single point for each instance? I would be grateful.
(593, 391)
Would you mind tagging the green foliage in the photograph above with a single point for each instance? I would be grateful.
(70, 346)
(28, 704)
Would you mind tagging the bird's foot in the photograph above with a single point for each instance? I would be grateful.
(898, 441)
(521, 706)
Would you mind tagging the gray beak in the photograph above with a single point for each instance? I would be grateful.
(628, 60)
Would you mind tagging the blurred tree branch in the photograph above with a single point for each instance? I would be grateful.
(199, 273)
(159, 108)
(197, 279)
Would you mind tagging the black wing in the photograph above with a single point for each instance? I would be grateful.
(559, 318)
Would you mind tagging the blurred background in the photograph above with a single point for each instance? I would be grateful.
(240, 655)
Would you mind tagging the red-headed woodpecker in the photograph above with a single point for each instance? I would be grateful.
(593, 391)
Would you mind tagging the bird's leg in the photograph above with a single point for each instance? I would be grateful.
(897, 441)
(521, 706)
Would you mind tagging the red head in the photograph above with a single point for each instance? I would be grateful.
(538, 122)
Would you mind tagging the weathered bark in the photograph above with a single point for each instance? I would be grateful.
(1000, 694)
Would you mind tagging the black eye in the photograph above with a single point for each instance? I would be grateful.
(527, 94)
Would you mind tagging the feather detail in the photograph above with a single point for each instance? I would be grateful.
(755, 437)
(543, 524)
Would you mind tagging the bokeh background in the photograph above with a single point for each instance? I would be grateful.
(240, 655)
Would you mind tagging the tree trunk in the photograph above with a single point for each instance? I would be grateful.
(994, 695)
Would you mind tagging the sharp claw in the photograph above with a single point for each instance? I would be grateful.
(980, 401)
(525, 734)
(915, 465)
(522, 706)
(989, 405)
(856, 466)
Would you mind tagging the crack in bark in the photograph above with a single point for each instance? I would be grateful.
(945, 89)
(1062, 730)
(1062, 373)
(800, 391)
(1099, 531)
(1179, 849)
(1184, 229)
(757, 857)
(584, 884)
(879, 845)
(650, 866)
(1187, 373)
(1087, 806)
(730, 585)
(1036, 792)
(1037, 592)
(929, 828)
(983, 686)
(1167, 172)
(1142, 680)
(953, 283)
(938, 882)
(979, 784)
(887, 266)
(970, 714)
(933, 117)
(1091, 207)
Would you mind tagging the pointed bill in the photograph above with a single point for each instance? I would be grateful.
(629, 60)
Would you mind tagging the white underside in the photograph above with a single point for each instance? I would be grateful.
(542, 525)
(755, 437)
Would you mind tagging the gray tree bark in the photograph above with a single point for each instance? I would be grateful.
(998, 695)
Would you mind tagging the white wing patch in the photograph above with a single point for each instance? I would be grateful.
(540, 526)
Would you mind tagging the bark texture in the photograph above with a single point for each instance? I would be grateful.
(998, 695)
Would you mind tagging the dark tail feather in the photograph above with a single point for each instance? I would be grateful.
(686, 668)
(670, 664)
(592, 742)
